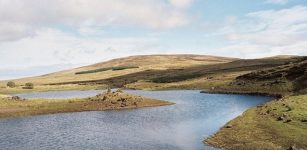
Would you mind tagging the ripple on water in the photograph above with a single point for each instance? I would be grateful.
(181, 126)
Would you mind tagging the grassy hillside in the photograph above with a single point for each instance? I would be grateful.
(279, 124)
(154, 72)
(141, 63)
(283, 79)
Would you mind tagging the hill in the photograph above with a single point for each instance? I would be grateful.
(152, 72)
(288, 78)
(279, 124)
(141, 63)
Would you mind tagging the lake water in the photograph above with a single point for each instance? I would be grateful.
(182, 126)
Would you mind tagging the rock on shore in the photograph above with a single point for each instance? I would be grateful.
(120, 99)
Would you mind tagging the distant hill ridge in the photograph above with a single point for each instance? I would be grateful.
(160, 69)
(140, 62)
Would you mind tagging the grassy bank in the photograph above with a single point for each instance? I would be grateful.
(14, 107)
(278, 124)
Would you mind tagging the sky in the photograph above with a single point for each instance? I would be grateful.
(43, 36)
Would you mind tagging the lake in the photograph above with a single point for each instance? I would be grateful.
(182, 126)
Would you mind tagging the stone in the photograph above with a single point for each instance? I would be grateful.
(119, 90)
(16, 98)
(280, 118)
(109, 90)
(292, 148)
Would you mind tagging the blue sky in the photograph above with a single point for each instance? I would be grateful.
(42, 36)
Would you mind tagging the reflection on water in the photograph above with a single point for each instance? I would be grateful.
(181, 126)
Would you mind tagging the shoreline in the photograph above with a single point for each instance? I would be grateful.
(233, 127)
(252, 128)
(15, 107)
(276, 96)
(9, 91)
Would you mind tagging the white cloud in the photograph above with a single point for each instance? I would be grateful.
(181, 3)
(280, 2)
(19, 18)
(50, 47)
(33, 33)
(269, 32)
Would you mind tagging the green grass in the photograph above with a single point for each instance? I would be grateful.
(261, 87)
(203, 82)
(260, 128)
(176, 78)
(106, 69)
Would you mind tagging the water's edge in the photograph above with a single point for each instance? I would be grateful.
(197, 115)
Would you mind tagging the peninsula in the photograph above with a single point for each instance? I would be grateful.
(13, 106)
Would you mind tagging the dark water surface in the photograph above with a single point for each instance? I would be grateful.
(181, 126)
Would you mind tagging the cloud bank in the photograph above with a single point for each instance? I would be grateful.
(267, 33)
(19, 18)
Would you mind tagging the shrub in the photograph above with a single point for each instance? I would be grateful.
(176, 78)
(106, 69)
(29, 85)
(11, 84)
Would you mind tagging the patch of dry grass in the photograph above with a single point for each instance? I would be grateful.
(15, 108)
